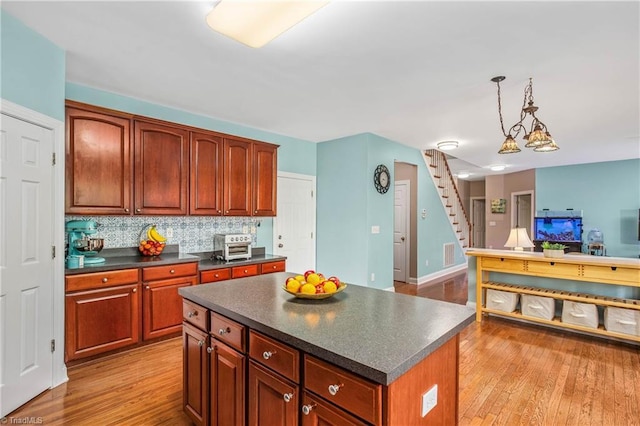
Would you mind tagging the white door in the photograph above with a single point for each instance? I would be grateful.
(478, 225)
(26, 265)
(401, 231)
(295, 226)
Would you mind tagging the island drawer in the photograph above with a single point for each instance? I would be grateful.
(169, 271)
(353, 393)
(101, 279)
(194, 314)
(267, 268)
(229, 331)
(502, 264)
(612, 273)
(275, 355)
(214, 275)
(244, 271)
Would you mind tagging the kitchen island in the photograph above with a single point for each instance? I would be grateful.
(391, 356)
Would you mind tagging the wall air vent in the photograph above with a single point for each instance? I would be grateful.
(448, 254)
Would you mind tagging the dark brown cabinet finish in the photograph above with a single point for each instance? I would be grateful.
(316, 412)
(195, 374)
(101, 320)
(227, 389)
(205, 190)
(98, 161)
(162, 306)
(264, 175)
(237, 177)
(161, 168)
(273, 400)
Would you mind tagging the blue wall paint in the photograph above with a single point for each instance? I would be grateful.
(608, 193)
(33, 69)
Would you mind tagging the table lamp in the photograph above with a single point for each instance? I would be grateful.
(518, 239)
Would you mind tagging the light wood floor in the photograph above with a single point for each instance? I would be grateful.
(510, 374)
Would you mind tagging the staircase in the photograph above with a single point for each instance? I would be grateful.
(443, 179)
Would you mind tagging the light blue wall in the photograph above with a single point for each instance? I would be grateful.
(608, 193)
(349, 205)
(32, 69)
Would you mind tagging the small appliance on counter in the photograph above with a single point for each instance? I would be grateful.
(232, 246)
(80, 244)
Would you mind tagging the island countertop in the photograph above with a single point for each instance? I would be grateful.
(377, 334)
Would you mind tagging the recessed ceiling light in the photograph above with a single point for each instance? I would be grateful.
(463, 175)
(447, 145)
(498, 167)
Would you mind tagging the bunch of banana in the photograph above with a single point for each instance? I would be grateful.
(154, 235)
(151, 242)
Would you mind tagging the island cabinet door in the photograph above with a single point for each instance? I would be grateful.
(227, 388)
(316, 412)
(273, 400)
(195, 374)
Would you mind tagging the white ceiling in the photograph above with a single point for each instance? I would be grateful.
(415, 72)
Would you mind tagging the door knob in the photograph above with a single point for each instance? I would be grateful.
(401, 238)
(280, 245)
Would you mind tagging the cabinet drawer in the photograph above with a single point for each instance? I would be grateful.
(244, 271)
(229, 331)
(266, 268)
(215, 275)
(317, 412)
(612, 273)
(101, 279)
(503, 265)
(346, 390)
(169, 271)
(554, 269)
(275, 355)
(194, 314)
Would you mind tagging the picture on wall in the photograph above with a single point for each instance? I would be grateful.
(499, 205)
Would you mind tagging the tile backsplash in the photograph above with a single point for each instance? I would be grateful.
(193, 233)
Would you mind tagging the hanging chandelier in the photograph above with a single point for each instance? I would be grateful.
(537, 137)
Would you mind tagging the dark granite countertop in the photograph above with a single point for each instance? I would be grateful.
(377, 334)
(257, 256)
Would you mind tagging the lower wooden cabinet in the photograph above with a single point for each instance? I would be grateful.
(226, 386)
(162, 307)
(101, 320)
(273, 400)
(195, 374)
(316, 412)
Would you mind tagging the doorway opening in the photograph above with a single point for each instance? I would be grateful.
(523, 212)
(405, 241)
(478, 212)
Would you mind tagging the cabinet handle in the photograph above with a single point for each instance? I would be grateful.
(613, 268)
(246, 272)
(138, 210)
(306, 409)
(191, 314)
(172, 271)
(200, 343)
(126, 210)
(134, 290)
(256, 211)
(210, 349)
(333, 389)
(287, 397)
(224, 331)
(216, 276)
(268, 354)
(105, 279)
(147, 287)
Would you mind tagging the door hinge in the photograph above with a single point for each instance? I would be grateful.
(53, 345)
(53, 252)
(312, 235)
(53, 158)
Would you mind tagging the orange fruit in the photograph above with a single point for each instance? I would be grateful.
(308, 289)
(330, 287)
(313, 278)
(293, 286)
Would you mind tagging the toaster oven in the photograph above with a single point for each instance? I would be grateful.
(232, 246)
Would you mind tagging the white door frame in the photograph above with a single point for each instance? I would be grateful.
(514, 213)
(59, 370)
(407, 246)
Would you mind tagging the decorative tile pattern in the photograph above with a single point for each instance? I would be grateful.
(193, 233)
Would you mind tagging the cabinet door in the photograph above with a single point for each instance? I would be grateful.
(227, 390)
(237, 177)
(273, 400)
(161, 169)
(195, 374)
(98, 151)
(316, 412)
(162, 307)
(101, 320)
(205, 190)
(265, 169)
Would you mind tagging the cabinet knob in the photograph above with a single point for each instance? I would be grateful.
(134, 290)
(287, 397)
(216, 275)
(138, 210)
(268, 354)
(200, 343)
(172, 271)
(219, 211)
(224, 331)
(147, 287)
(306, 409)
(274, 266)
(227, 211)
(210, 349)
(192, 314)
(255, 211)
(333, 389)
(126, 210)
(246, 272)
(105, 279)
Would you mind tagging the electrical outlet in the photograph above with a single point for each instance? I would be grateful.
(169, 232)
(245, 229)
(373, 276)
(426, 262)
(375, 229)
(429, 400)
(253, 229)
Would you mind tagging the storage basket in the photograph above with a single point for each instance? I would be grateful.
(622, 320)
(583, 314)
(504, 301)
(538, 306)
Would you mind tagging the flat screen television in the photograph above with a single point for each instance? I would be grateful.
(567, 229)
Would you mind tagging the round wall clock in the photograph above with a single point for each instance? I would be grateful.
(382, 178)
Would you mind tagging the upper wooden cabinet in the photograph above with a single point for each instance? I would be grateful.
(205, 184)
(264, 175)
(237, 177)
(98, 161)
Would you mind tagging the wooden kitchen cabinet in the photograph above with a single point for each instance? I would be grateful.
(195, 375)
(101, 320)
(161, 303)
(237, 177)
(205, 182)
(264, 179)
(161, 168)
(98, 150)
(273, 400)
(227, 385)
(316, 412)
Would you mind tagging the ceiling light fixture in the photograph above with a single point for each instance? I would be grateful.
(463, 175)
(538, 136)
(256, 23)
(498, 167)
(447, 145)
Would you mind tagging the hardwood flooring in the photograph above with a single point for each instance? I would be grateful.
(511, 373)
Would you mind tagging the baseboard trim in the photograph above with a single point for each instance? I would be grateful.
(426, 279)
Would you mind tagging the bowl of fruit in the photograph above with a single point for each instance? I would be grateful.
(151, 242)
(313, 285)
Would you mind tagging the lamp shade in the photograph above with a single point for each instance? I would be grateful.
(518, 239)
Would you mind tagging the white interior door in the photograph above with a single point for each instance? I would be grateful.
(400, 231)
(295, 226)
(26, 265)
(478, 217)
